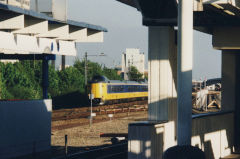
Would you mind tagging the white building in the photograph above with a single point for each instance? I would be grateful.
(132, 57)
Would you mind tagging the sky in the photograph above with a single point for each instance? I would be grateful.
(125, 30)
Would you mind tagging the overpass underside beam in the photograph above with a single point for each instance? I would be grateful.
(206, 16)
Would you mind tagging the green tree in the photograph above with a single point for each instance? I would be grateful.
(134, 74)
(96, 69)
(111, 74)
(54, 82)
(23, 80)
(19, 81)
(2, 82)
(70, 80)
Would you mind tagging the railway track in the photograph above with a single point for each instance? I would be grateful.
(82, 114)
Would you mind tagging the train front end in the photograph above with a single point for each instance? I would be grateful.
(98, 89)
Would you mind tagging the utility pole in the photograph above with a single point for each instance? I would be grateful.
(129, 69)
(86, 69)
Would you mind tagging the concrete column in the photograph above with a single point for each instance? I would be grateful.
(228, 79)
(237, 105)
(162, 74)
(230, 89)
(150, 139)
(185, 51)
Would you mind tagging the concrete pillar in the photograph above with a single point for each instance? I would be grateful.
(185, 52)
(150, 139)
(237, 104)
(162, 74)
(227, 40)
(230, 89)
(228, 79)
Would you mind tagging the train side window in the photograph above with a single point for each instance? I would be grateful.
(120, 88)
(114, 89)
(109, 89)
(117, 88)
(132, 88)
(129, 88)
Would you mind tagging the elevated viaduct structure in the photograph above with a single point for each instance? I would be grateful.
(27, 34)
(170, 24)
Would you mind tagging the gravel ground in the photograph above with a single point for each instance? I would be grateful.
(86, 136)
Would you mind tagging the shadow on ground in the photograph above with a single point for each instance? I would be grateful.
(70, 100)
(118, 151)
(90, 152)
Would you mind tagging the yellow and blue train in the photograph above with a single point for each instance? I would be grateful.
(114, 91)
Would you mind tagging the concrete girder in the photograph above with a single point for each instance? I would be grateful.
(80, 35)
(232, 2)
(24, 44)
(26, 31)
(56, 31)
(94, 35)
(164, 11)
(88, 35)
(207, 13)
(198, 4)
(13, 22)
(27, 25)
(30, 34)
(226, 38)
(28, 22)
(39, 27)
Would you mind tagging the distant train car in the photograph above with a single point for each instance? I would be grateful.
(114, 91)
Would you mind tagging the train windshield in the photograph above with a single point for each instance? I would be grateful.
(99, 79)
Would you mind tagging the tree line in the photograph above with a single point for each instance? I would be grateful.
(23, 79)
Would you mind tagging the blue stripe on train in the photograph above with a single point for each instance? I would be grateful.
(126, 88)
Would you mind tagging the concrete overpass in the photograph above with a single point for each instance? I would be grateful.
(170, 121)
